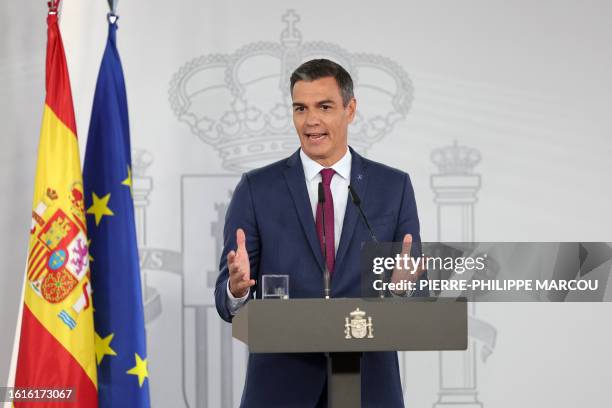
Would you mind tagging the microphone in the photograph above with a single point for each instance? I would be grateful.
(326, 288)
(357, 201)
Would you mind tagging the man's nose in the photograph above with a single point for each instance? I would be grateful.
(312, 118)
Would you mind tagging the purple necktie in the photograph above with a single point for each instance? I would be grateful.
(328, 209)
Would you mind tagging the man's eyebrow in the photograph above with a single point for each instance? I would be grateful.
(319, 103)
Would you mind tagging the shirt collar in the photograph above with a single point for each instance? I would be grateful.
(342, 167)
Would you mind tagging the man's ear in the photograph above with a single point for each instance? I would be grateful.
(351, 108)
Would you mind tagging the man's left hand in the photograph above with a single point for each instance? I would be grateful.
(409, 274)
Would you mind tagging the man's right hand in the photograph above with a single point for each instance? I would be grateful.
(239, 267)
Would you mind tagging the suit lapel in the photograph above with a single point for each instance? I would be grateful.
(359, 181)
(296, 181)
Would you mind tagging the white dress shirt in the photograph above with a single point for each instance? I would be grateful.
(339, 189)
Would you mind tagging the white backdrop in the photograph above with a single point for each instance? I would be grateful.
(523, 88)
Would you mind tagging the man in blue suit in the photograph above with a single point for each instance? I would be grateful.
(274, 226)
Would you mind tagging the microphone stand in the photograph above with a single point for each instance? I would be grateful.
(357, 201)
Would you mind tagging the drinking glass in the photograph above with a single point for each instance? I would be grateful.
(275, 287)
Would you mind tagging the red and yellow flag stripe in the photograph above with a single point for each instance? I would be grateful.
(56, 348)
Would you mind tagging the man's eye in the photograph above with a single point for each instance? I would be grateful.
(298, 109)
(325, 107)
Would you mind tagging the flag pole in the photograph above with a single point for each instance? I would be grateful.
(10, 382)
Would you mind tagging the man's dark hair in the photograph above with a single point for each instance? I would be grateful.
(321, 68)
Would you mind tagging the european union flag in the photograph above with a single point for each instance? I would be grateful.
(121, 352)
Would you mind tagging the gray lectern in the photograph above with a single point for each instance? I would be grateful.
(344, 328)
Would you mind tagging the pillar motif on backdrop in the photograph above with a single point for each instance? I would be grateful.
(455, 187)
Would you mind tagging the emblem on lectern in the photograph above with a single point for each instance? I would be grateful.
(358, 327)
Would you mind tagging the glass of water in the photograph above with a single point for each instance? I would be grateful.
(275, 287)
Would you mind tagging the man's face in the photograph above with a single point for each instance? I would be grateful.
(321, 120)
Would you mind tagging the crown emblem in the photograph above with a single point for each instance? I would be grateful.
(357, 314)
(455, 159)
(240, 103)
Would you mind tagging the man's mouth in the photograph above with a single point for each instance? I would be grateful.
(316, 135)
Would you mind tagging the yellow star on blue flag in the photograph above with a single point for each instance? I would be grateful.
(140, 369)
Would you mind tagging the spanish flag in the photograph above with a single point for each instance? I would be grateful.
(56, 346)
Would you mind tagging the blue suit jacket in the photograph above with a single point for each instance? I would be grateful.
(271, 204)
